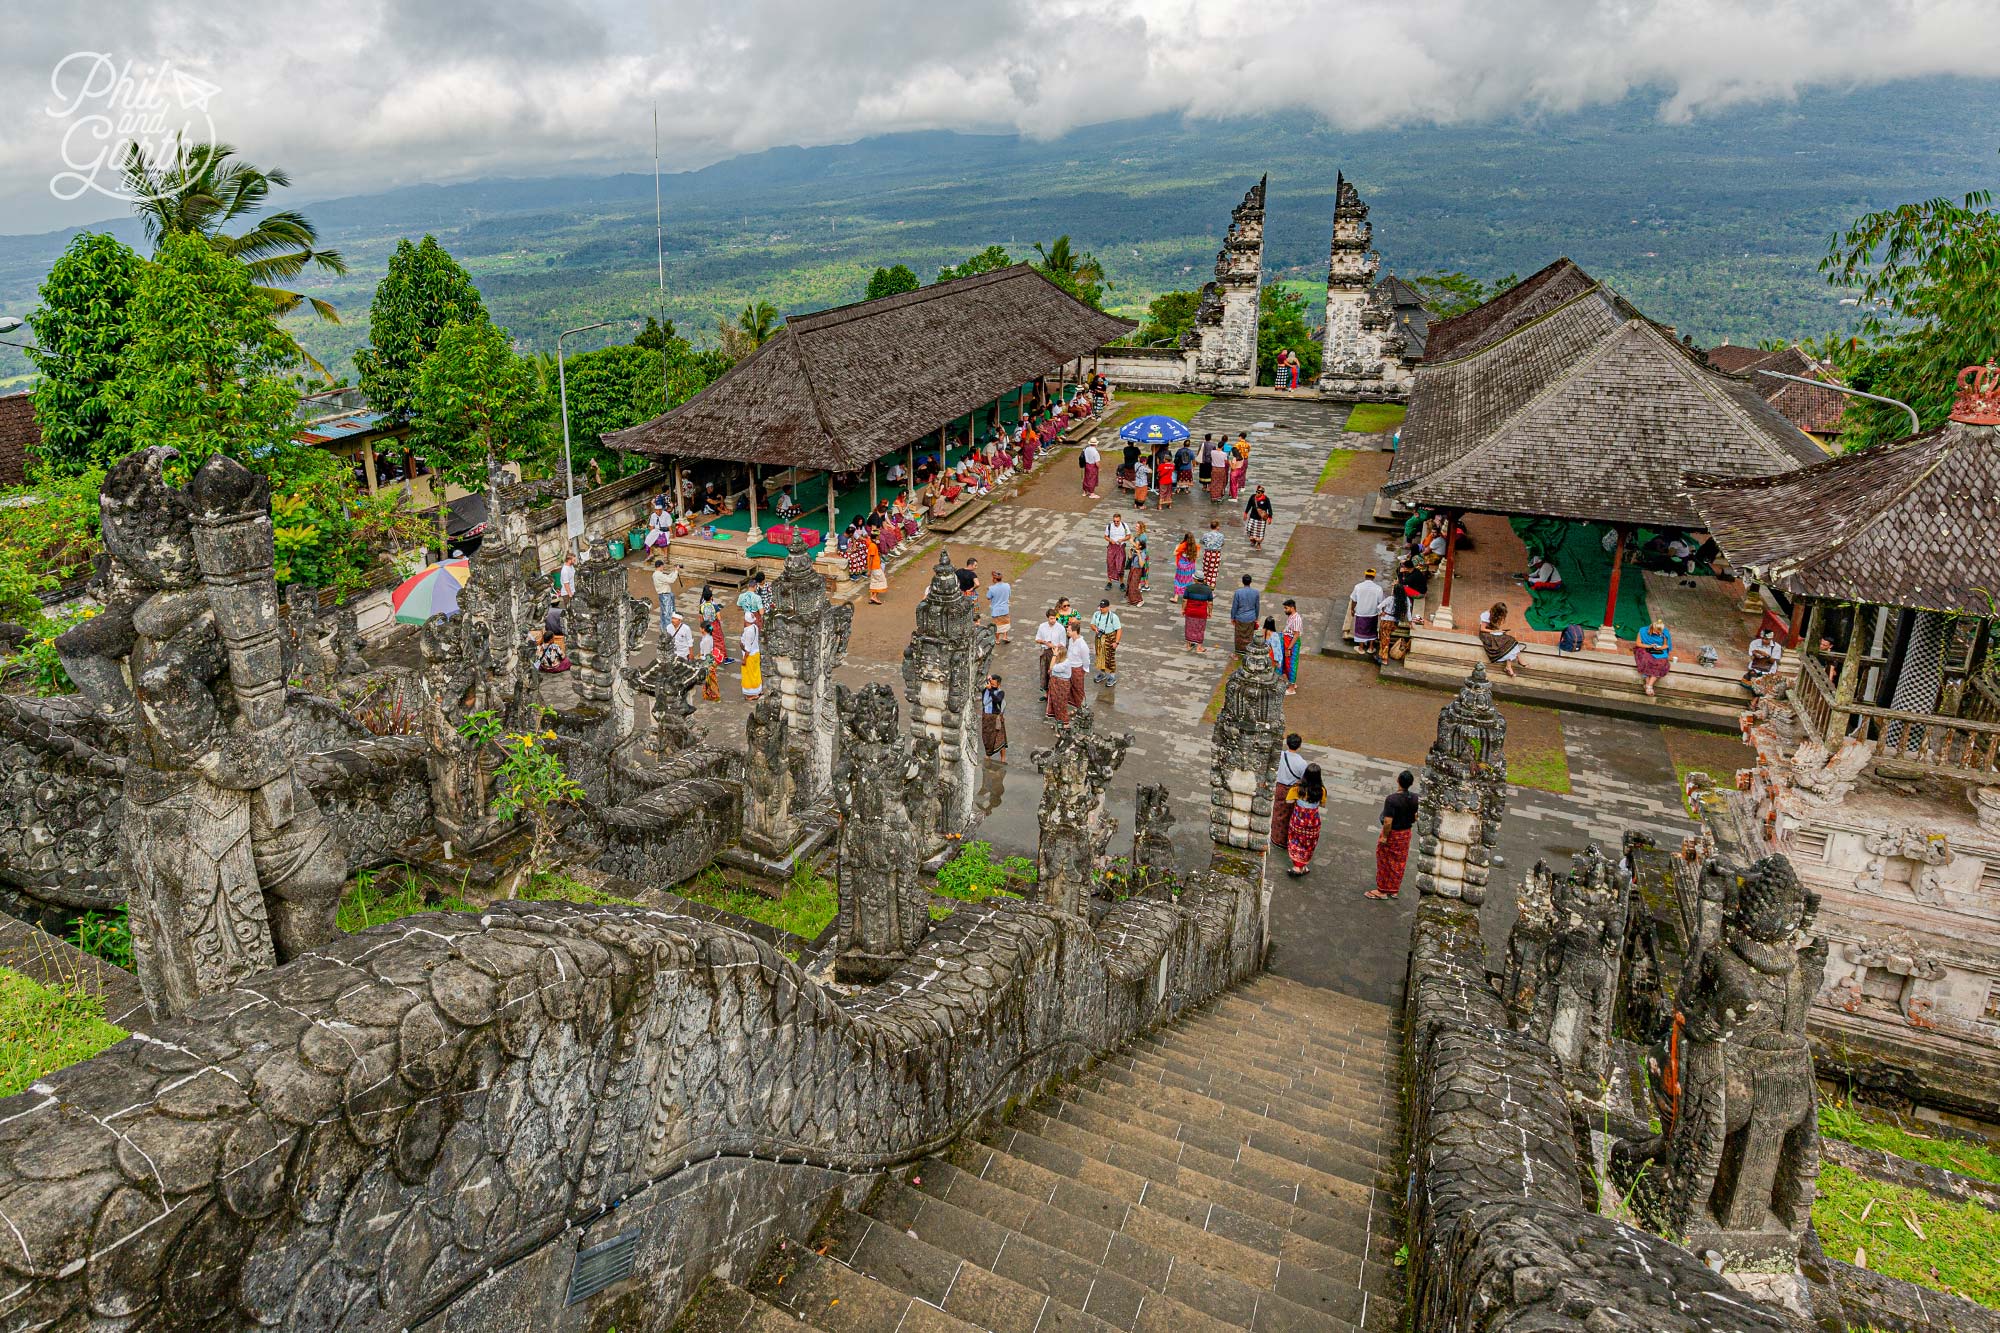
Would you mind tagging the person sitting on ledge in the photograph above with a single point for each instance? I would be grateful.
(1766, 652)
(1653, 653)
(1502, 648)
(1545, 574)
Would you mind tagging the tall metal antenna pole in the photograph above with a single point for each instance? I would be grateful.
(660, 240)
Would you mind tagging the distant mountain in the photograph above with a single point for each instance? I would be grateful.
(1714, 226)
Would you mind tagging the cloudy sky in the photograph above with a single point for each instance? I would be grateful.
(371, 93)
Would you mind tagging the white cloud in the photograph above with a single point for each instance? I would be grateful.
(376, 93)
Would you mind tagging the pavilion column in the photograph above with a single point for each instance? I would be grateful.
(832, 513)
(1607, 633)
(680, 504)
(1441, 618)
(874, 483)
(1849, 679)
(756, 533)
(910, 477)
(368, 463)
(1805, 625)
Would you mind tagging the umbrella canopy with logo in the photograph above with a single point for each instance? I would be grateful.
(1153, 430)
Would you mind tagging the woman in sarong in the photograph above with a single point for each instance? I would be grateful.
(1239, 468)
(1194, 614)
(1211, 553)
(1184, 565)
(1302, 830)
(1257, 517)
(753, 662)
(1135, 572)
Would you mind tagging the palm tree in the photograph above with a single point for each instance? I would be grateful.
(1079, 266)
(758, 322)
(201, 191)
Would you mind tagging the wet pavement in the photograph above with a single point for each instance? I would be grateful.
(1360, 731)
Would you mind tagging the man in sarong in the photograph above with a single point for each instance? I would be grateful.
(1291, 772)
(1392, 840)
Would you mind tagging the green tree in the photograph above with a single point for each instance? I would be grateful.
(424, 292)
(1168, 316)
(474, 400)
(892, 281)
(1448, 293)
(1282, 322)
(1925, 276)
(655, 335)
(992, 257)
(1075, 271)
(202, 192)
(749, 330)
(204, 370)
(82, 325)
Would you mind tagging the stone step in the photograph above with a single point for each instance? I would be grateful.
(1363, 1038)
(1272, 1039)
(1109, 1208)
(1362, 1098)
(723, 1307)
(830, 1296)
(1294, 1000)
(1151, 1245)
(1164, 1120)
(1238, 1114)
(958, 1286)
(1106, 1290)
(1109, 1272)
(1071, 1136)
(1179, 1188)
(1217, 1037)
(1357, 1108)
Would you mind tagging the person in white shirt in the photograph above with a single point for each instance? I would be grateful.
(566, 580)
(1057, 685)
(682, 637)
(665, 578)
(1116, 534)
(1545, 574)
(1291, 772)
(1052, 641)
(1766, 652)
(1089, 458)
(1365, 605)
(1078, 655)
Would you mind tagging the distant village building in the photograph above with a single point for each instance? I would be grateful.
(375, 447)
(1813, 410)
(20, 437)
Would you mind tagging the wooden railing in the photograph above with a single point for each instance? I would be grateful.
(1905, 742)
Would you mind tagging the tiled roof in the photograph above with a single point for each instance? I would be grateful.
(1406, 307)
(1913, 523)
(1527, 300)
(1808, 408)
(841, 387)
(19, 437)
(328, 430)
(1581, 409)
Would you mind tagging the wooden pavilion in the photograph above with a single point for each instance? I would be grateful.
(1891, 555)
(1559, 400)
(837, 391)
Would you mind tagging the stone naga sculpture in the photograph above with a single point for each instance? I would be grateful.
(884, 909)
(1740, 1149)
(1564, 957)
(1244, 753)
(1464, 794)
(231, 866)
(1075, 830)
(1152, 837)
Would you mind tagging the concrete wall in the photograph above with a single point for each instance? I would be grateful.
(1166, 369)
(422, 1125)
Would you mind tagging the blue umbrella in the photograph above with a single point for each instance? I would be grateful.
(1153, 430)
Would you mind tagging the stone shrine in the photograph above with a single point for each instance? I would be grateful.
(1075, 829)
(1364, 344)
(944, 668)
(1462, 795)
(229, 865)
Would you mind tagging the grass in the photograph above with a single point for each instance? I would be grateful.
(973, 876)
(1681, 772)
(806, 907)
(1277, 578)
(553, 887)
(43, 1030)
(1953, 1154)
(1180, 406)
(375, 896)
(1337, 463)
(1370, 418)
(1542, 769)
(1909, 1234)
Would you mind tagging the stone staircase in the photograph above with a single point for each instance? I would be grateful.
(1226, 1172)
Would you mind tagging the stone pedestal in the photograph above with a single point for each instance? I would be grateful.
(1244, 753)
(1464, 793)
(1606, 639)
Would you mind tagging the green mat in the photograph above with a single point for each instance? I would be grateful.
(852, 501)
(1578, 550)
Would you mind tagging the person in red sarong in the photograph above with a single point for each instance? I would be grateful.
(1392, 842)
(1308, 796)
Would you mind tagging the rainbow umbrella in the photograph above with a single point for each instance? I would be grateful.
(1153, 430)
(431, 591)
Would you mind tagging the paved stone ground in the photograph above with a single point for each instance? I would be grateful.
(1360, 731)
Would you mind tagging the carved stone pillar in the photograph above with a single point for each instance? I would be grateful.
(884, 908)
(606, 626)
(1244, 753)
(1152, 837)
(943, 670)
(805, 639)
(1464, 794)
(1075, 829)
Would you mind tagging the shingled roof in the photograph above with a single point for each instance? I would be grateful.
(1814, 410)
(842, 387)
(1578, 408)
(1911, 523)
(20, 437)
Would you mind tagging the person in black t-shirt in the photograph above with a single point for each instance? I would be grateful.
(1392, 843)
